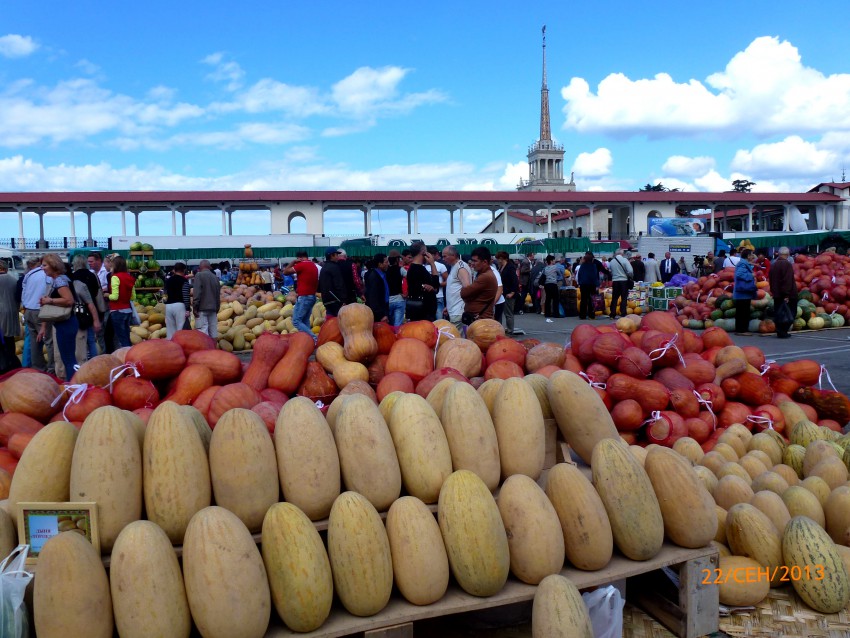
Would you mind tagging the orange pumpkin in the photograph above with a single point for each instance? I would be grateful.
(392, 382)
(805, 371)
(464, 356)
(384, 336)
(423, 330)
(411, 356)
(627, 415)
(503, 369)
(234, 395)
(192, 341)
(317, 385)
(509, 349)
(330, 332)
(132, 393)
(377, 369)
(30, 393)
(14, 423)
(96, 370)
(202, 403)
(91, 399)
(545, 354)
(651, 395)
(225, 366)
(484, 332)
(194, 379)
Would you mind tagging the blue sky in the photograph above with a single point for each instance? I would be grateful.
(441, 95)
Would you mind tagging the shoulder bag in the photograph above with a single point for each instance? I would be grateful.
(53, 313)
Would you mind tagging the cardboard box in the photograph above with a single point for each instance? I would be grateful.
(656, 303)
(672, 292)
(656, 292)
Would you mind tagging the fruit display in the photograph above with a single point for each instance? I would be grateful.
(249, 272)
(822, 282)
(686, 440)
(149, 282)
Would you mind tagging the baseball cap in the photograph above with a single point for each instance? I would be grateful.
(331, 251)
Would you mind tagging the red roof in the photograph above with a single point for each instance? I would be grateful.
(559, 199)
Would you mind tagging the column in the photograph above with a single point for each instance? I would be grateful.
(136, 214)
(72, 240)
(230, 222)
(492, 217)
(183, 215)
(711, 221)
(173, 222)
(575, 220)
(408, 221)
(416, 219)
(786, 221)
(452, 220)
(460, 216)
(123, 221)
(223, 221)
(89, 239)
(21, 239)
(549, 221)
(822, 211)
(750, 217)
(41, 228)
(505, 219)
(368, 220)
(590, 208)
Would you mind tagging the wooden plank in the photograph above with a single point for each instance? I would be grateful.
(456, 601)
(396, 631)
(698, 599)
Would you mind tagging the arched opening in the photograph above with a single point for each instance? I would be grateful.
(579, 231)
(570, 233)
(513, 230)
(654, 213)
(296, 223)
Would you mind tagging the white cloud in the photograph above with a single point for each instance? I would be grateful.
(17, 46)
(791, 157)
(595, 164)
(681, 166)
(512, 175)
(368, 93)
(225, 71)
(77, 109)
(764, 89)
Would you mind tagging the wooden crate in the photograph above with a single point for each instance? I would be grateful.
(696, 614)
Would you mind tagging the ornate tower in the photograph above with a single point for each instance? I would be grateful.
(545, 157)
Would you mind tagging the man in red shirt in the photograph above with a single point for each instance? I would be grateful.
(306, 283)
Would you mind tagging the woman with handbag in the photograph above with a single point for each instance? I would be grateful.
(87, 289)
(744, 291)
(121, 298)
(57, 311)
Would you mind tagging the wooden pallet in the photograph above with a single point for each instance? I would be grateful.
(694, 614)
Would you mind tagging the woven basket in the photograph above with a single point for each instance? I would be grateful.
(637, 624)
(783, 615)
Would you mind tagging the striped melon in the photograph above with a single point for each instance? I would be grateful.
(823, 582)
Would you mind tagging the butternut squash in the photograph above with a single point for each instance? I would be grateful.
(535, 540)
(107, 468)
(471, 435)
(243, 469)
(518, 421)
(580, 413)
(331, 356)
(221, 563)
(420, 563)
(421, 447)
(626, 492)
(687, 508)
(474, 535)
(146, 583)
(359, 553)
(298, 568)
(808, 550)
(307, 459)
(355, 324)
(367, 456)
(588, 540)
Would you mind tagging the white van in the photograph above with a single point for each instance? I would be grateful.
(14, 260)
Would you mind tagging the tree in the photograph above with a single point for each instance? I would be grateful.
(658, 188)
(742, 185)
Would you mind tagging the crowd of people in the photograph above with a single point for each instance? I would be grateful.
(75, 311)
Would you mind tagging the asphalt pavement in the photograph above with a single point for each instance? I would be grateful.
(830, 347)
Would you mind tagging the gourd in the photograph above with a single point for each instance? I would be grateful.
(535, 540)
(220, 563)
(518, 421)
(243, 468)
(71, 594)
(194, 379)
(297, 564)
(144, 575)
(156, 359)
(421, 447)
(626, 492)
(367, 456)
(263, 371)
(44, 471)
(355, 325)
(359, 553)
(289, 370)
(559, 610)
(307, 459)
(30, 393)
(317, 385)
(474, 535)
(176, 471)
(225, 366)
(411, 356)
(807, 547)
(462, 355)
(332, 357)
(581, 415)
(107, 468)
(420, 563)
(230, 396)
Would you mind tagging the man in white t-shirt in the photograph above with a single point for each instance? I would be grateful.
(460, 275)
(732, 260)
(500, 298)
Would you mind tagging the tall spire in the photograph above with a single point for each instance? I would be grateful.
(545, 129)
